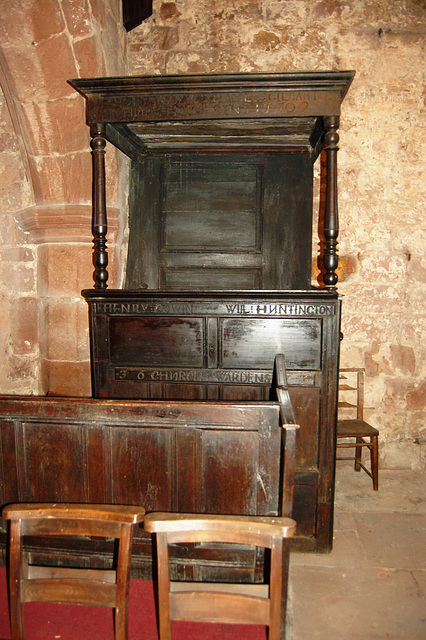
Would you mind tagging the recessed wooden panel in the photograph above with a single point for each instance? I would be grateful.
(254, 342)
(229, 471)
(247, 393)
(304, 508)
(55, 464)
(210, 206)
(147, 341)
(184, 391)
(209, 230)
(10, 479)
(305, 402)
(122, 389)
(210, 278)
(141, 461)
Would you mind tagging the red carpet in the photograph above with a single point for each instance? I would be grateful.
(73, 622)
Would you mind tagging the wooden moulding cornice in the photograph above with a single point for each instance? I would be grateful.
(62, 223)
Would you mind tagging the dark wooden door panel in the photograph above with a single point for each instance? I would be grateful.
(210, 206)
(54, 463)
(208, 278)
(306, 401)
(147, 341)
(143, 467)
(229, 471)
(204, 230)
(249, 343)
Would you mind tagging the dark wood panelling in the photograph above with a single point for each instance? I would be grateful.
(305, 512)
(287, 221)
(218, 222)
(221, 346)
(306, 405)
(178, 341)
(249, 393)
(221, 195)
(54, 463)
(210, 206)
(183, 391)
(229, 471)
(99, 470)
(141, 460)
(196, 143)
(249, 343)
(175, 278)
(197, 457)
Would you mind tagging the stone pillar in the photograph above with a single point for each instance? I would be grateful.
(62, 235)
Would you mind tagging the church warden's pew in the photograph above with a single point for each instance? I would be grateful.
(170, 456)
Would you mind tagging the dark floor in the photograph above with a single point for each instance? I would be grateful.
(373, 584)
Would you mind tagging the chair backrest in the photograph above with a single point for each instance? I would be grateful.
(351, 393)
(73, 519)
(252, 530)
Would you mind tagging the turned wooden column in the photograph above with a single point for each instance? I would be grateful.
(99, 220)
(331, 216)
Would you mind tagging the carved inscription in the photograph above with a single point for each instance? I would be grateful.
(278, 309)
(284, 103)
(235, 376)
(192, 375)
(198, 104)
(233, 309)
(142, 308)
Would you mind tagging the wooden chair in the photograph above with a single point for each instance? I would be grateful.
(30, 583)
(261, 604)
(355, 425)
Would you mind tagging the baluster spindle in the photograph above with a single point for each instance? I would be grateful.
(331, 217)
(99, 220)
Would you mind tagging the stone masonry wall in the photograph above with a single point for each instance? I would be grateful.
(45, 174)
(45, 197)
(19, 329)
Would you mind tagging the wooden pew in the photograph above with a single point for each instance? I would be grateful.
(201, 457)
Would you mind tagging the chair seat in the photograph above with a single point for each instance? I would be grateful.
(355, 429)
(352, 425)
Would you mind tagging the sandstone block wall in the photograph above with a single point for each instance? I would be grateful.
(45, 174)
(45, 187)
